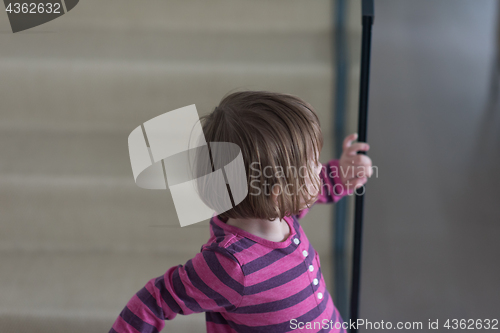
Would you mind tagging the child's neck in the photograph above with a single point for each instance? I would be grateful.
(274, 231)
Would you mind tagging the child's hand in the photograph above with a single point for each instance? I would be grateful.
(354, 168)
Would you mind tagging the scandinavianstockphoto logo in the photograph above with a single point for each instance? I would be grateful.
(27, 14)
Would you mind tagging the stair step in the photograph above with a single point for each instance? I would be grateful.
(85, 323)
(89, 290)
(64, 155)
(197, 15)
(78, 214)
(179, 47)
(121, 95)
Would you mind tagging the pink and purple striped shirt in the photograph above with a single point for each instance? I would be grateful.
(244, 283)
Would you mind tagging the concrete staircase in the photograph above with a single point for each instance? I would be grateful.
(77, 237)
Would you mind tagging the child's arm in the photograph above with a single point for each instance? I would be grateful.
(211, 281)
(333, 189)
(341, 177)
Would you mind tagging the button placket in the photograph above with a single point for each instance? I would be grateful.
(313, 281)
(317, 281)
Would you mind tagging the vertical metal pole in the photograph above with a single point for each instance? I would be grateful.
(367, 21)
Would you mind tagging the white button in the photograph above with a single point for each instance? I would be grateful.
(311, 268)
(320, 295)
(304, 253)
(296, 241)
(315, 282)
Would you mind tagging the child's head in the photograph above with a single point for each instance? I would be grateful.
(280, 140)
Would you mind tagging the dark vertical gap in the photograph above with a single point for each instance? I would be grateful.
(151, 155)
(211, 158)
(228, 188)
(223, 174)
(145, 136)
(164, 172)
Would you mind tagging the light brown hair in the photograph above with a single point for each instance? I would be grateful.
(274, 130)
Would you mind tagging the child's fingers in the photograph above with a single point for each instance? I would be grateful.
(359, 174)
(353, 149)
(359, 182)
(361, 160)
(357, 166)
(348, 140)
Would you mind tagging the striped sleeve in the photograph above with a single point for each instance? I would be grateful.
(211, 281)
(332, 190)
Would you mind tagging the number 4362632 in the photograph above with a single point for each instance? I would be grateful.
(471, 324)
(34, 8)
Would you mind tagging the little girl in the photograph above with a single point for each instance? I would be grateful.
(258, 272)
